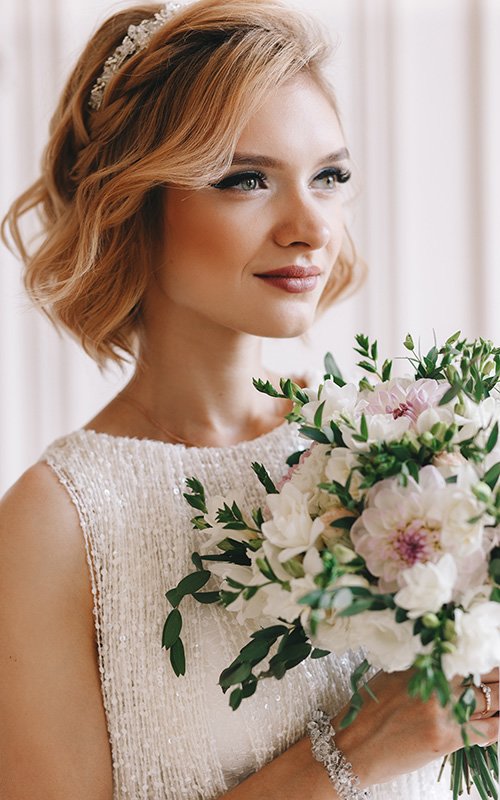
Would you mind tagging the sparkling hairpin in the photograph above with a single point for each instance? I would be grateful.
(137, 39)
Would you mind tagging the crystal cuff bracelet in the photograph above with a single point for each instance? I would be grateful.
(324, 750)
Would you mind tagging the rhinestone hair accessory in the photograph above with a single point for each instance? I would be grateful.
(137, 39)
(327, 753)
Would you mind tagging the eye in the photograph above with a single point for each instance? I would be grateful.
(242, 181)
(332, 176)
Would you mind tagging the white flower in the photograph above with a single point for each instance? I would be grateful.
(381, 428)
(338, 400)
(310, 472)
(338, 467)
(427, 587)
(477, 416)
(417, 523)
(390, 645)
(283, 604)
(334, 634)
(478, 641)
(291, 528)
(405, 397)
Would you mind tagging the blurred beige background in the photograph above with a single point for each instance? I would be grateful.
(418, 84)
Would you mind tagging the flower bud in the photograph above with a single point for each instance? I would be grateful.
(482, 491)
(448, 647)
(427, 439)
(450, 633)
(343, 554)
(430, 621)
(422, 661)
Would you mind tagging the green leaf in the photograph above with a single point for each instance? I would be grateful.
(313, 433)
(386, 370)
(367, 366)
(450, 394)
(235, 698)
(331, 367)
(294, 458)
(492, 475)
(171, 629)
(364, 428)
(266, 387)
(318, 653)
(178, 658)
(264, 478)
(234, 674)
(173, 597)
(194, 582)
(196, 559)
(318, 416)
(255, 650)
(492, 438)
(272, 633)
(345, 523)
(195, 501)
(206, 597)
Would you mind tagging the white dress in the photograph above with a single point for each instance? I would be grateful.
(177, 738)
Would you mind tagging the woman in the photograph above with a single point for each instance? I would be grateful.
(192, 204)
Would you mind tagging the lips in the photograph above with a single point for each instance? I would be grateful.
(292, 271)
(292, 279)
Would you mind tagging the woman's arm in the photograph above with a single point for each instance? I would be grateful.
(54, 742)
(390, 737)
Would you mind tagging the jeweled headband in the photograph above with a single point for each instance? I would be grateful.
(137, 39)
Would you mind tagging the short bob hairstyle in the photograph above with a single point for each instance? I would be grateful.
(172, 115)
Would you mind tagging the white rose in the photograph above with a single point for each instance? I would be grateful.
(427, 587)
(381, 428)
(291, 528)
(478, 641)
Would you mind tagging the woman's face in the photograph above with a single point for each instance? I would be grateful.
(253, 253)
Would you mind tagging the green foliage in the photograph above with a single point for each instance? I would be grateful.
(264, 478)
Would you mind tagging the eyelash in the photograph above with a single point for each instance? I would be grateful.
(232, 181)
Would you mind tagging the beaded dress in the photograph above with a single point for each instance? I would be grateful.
(176, 738)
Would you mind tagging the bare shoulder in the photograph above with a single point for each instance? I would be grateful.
(50, 692)
(40, 530)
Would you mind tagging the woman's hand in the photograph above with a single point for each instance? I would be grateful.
(398, 734)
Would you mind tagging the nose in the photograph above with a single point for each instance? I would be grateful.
(301, 223)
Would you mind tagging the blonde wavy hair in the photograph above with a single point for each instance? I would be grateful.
(171, 116)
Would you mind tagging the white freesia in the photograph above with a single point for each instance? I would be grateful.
(427, 587)
(308, 474)
(389, 645)
(216, 533)
(478, 641)
(381, 428)
(339, 466)
(291, 527)
(477, 417)
(338, 400)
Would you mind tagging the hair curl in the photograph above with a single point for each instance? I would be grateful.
(172, 115)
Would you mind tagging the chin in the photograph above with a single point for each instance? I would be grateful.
(282, 326)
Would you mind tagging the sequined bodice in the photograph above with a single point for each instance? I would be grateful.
(176, 738)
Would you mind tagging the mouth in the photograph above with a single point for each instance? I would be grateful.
(292, 279)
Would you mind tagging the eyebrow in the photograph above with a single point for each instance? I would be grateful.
(266, 161)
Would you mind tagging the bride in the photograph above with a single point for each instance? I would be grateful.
(191, 200)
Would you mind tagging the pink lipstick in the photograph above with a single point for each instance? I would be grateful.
(293, 279)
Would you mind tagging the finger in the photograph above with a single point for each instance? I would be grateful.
(491, 677)
(487, 700)
(483, 731)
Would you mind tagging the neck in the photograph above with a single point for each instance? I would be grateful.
(199, 386)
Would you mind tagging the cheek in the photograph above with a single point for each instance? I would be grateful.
(197, 235)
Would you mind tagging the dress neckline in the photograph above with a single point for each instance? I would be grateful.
(137, 441)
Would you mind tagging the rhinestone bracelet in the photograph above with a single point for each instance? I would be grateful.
(324, 749)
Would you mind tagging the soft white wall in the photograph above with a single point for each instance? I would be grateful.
(417, 82)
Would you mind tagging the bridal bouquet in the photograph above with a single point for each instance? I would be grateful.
(383, 535)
